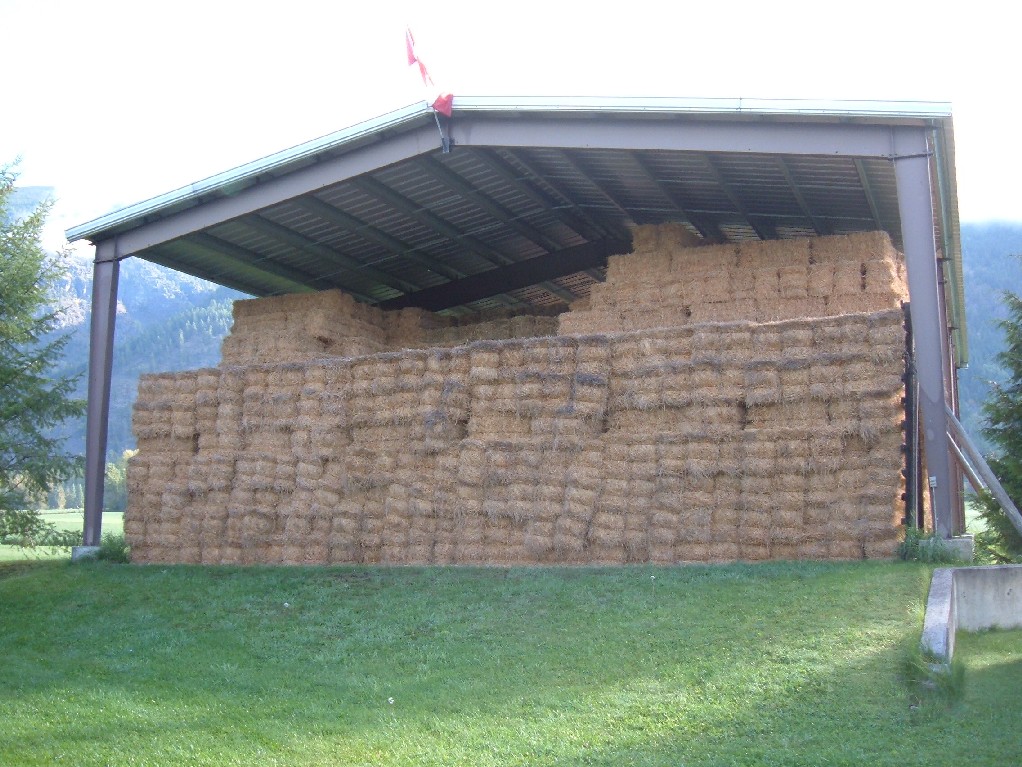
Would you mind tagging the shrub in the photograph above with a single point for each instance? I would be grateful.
(114, 548)
(920, 546)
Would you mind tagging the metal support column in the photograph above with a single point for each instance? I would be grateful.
(101, 346)
(929, 325)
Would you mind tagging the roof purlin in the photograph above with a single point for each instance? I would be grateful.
(512, 276)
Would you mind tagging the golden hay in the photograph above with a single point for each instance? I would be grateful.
(596, 436)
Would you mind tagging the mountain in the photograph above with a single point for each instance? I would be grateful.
(25, 199)
(166, 321)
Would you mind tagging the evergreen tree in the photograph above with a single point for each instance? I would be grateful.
(31, 401)
(1003, 413)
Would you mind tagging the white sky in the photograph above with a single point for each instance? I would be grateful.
(112, 102)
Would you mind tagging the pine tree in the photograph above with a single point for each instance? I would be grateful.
(1003, 415)
(31, 401)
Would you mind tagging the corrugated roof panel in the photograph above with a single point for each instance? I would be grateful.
(480, 206)
(551, 170)
(179, 256)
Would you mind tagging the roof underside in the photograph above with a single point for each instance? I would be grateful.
(526, 207)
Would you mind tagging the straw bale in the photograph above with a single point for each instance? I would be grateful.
(671, 237)
(885, 276)
(793, 308)
(538, 538)
(845, 549)
(722, 257)
(710, 285)
(609, 516)
(766, 282)
(762, 387)
(719, 551)
(647, 262)
(820, 280)
(696, 524)
(885, 549)
(229, 554)
(775, 253)
(887, 334)
(754, 551)
(797, 336)
(724, 311)
(610, 553)
(861, 245)
(793, 281)
(862, 303)
(421, 534)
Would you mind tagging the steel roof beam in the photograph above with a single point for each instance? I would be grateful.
(867, 189)
(254, 284)
(500, 167)
(563, 205)
(253, 263)
(270, 192)
(370, 233)
(817, 223)
(707, 229)
(929, 322)
(490, 206)
(498, 211)
(378, 189)
(304, 244)
(373, 188)
(587, 176)
(695, 135)
(521, 274)
(763, 232)
(785, 219)
(562, 293)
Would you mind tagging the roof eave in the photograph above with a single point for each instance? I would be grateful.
(289, 159)
(231, 180)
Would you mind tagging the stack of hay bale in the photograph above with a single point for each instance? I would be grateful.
(635, 447)
(667, 281)
(672, 441)
(296, 328)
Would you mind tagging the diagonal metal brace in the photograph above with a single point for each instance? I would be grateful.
(979, 471)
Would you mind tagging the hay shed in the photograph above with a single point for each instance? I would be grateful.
(556, 331)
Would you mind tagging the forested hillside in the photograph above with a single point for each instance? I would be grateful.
(165, 321)
(991, 266)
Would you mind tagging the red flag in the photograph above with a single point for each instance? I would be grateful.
(443, 101)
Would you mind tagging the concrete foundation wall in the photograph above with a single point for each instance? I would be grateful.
(970, 599)
(989, 597)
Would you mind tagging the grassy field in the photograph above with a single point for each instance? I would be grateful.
(775, 664)
(113, 522)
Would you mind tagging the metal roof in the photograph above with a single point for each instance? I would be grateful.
(534, 194)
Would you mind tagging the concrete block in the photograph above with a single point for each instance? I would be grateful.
(79, 553)
(971, 599)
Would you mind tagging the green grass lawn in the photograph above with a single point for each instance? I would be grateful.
(773, 664)
(73, 519)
